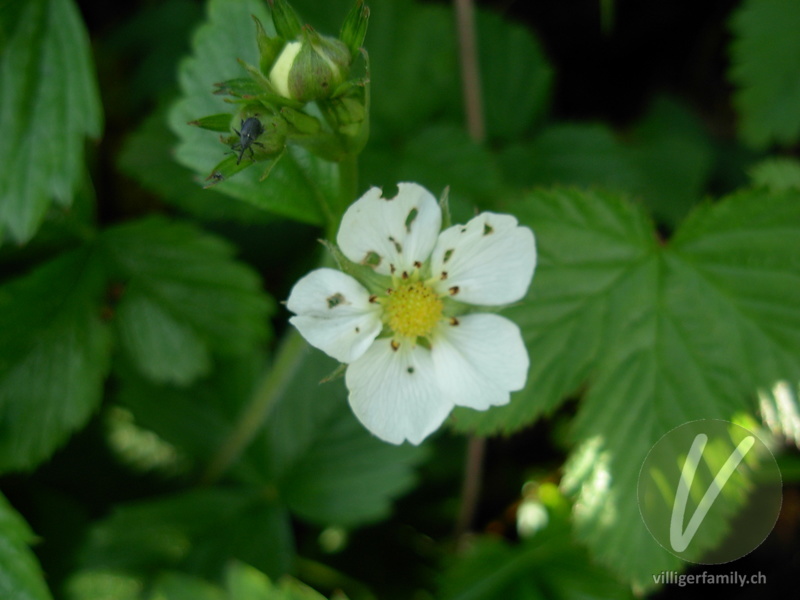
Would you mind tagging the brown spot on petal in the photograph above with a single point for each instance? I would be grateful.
(335, 300)
(395, 345)
(397, 246)
(453, 290)
(412, 215)
(454, 321)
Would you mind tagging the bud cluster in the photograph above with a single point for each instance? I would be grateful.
(303, 91)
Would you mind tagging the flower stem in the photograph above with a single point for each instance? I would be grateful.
(476, 127)
(348, 189)
(470, 70)
(471, 486)
(252, 418)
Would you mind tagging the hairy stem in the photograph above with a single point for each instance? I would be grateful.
(476, 127)
(471, 485)
(470, 69)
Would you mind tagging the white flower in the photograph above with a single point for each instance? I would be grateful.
(413, 349)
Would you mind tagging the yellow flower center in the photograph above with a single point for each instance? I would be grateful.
(413, 309)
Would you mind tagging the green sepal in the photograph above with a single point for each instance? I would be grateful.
(258, 78)
(363, 273)
(444, 206)
(286, 21)
(268, 47)
(354, 28)
(226, 169)
(219, 122)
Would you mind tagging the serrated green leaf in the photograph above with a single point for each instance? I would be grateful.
(586, 243)
(230, 34)
(53, 357)
(49, 104)
(21, 577)
(765, 65)
(196, 531)
(515, 76)
(183, 295)
(666, 334)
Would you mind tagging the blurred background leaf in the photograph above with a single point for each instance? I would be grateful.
(49, 104)
(765, 62)
(20, 574)
(54, 356)
(180, 295)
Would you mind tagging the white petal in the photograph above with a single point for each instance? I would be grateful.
(488, 261)
(334, 314)
(480, 360)
(394, 393)
(400, 230)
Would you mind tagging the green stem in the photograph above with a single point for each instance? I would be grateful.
(288, 360)
(348, 190)
(476, 127)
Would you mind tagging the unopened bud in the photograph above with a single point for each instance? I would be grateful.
(310, 69)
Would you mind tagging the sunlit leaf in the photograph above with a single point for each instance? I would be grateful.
(665, 334)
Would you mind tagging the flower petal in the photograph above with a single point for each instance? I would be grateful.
(334, 314)
(396, 231)
(480, 360)
(488, 261)
(394, 393)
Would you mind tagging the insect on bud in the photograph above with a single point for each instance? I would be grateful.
(311, 68)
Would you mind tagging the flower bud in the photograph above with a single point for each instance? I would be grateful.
(310, 69)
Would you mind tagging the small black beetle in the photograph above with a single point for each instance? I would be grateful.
(251, 129)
